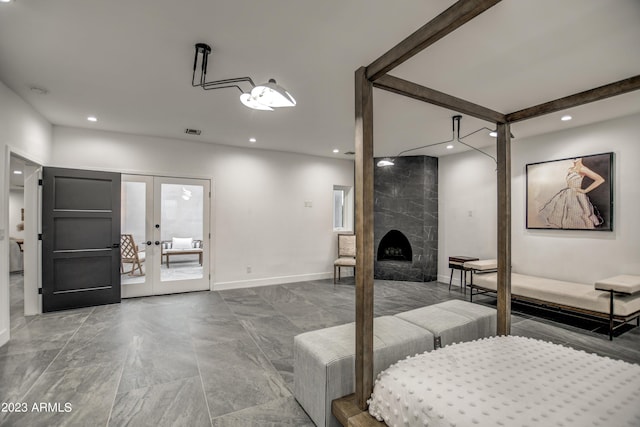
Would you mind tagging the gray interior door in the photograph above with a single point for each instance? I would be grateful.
(80, 238)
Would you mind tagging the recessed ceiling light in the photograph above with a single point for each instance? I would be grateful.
(449, 147)
(5, 1)
(493, 134)
(15, 172)
(335, 150)
(566, 118)
(92, 118)
(252, 140)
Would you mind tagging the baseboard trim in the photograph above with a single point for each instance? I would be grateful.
(444, 278)
(278, 280)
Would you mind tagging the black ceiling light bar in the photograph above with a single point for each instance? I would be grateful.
(204, 50)
(455, 137)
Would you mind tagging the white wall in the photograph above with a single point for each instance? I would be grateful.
(25, 132)
(468, 183)
(259, 218)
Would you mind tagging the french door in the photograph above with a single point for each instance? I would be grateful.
(164, 235)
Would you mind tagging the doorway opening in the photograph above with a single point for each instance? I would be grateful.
(24, 247)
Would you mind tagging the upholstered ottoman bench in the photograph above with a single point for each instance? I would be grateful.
(324, 361)
(454, 321)
(483, 265)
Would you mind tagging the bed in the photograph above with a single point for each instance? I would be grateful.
(508, 381)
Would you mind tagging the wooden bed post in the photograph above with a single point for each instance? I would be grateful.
(504, 229)
(364, 238)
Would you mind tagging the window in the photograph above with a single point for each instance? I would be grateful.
(342, 208)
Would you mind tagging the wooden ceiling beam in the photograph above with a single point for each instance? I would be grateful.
(432, 96)
(448, 21)
(612, 89)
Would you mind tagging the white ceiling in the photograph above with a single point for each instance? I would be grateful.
(130, 63)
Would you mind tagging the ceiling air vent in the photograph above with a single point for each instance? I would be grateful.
(192, 131)
(349, 153)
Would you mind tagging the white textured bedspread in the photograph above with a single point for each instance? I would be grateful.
(508, 381)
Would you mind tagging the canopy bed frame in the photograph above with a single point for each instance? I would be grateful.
(350, 410)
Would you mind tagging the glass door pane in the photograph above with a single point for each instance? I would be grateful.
(182, 213)
(136, 255)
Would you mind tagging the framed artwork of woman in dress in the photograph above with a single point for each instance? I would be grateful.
(571, 194)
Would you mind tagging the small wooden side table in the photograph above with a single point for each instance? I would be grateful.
(457, 263)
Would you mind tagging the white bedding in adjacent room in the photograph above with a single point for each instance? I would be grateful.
(508, 381)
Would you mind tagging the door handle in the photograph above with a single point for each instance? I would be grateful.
(115, 245)
(157, 243)
(149, 242)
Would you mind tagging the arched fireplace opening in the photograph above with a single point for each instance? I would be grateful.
(395, 246)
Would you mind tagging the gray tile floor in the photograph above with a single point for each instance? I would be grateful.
(207, 358)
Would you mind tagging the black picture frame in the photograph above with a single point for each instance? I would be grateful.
(556, 198)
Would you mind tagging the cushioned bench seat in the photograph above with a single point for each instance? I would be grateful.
(577, 297)
(482, 265)
(454, 321)
(624, 284)
(182, 246)
(559, 292)
(324, 361)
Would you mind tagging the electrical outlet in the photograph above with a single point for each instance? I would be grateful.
(308, 204)
(248, 269)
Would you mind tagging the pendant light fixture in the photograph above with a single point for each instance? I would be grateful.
(251, 102)
(273, 95)
(455, 137)
(264, 97)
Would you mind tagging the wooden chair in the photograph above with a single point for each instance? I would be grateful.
(129, 254)
(346, 254)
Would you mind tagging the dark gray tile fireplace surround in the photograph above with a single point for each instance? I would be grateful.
(406, 219)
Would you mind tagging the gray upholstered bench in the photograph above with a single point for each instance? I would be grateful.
(323, 365)
(454, 321)
(324, 361)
